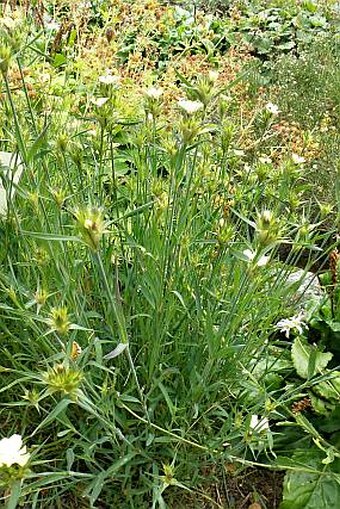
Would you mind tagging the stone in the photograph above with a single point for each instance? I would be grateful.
(306, 285)
(11, 168)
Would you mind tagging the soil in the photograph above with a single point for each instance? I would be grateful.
(253, 488)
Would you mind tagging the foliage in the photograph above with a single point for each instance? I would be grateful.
(141, 281)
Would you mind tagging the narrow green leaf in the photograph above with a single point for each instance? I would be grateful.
(61, 406)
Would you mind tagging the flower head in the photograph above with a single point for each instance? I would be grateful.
(109, 79)
(267, 227)
(91, 224)
(259, 425)
(154, 93)
(63, 379)
(59, 320)
(190, 107)
(295, 323)
(273, 109)
(99, 101)
(298, 159)
(213, 76)
(13, 452)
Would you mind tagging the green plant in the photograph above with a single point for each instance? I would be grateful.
(140, 284)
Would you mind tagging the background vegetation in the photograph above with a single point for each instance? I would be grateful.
(157, 338)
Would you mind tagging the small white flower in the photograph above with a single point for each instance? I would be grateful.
(266, 216)
(259, 425)
(154, 93)
(273, 109)
(99, 101)
(265, 159)
(190, 107)
(109, 79)
(8, 22)
(12, 451)
(295, 323)
(251, 255)
(213, 76)
(298, 159)
(238, 152)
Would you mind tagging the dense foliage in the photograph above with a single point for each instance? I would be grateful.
(160, 328)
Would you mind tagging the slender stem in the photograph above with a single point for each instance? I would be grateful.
(117, 309)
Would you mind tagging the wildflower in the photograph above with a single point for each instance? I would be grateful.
(252, 255)
(109, 79)
(273, 109)
(267, 227)
(298, 159)
(213, 76)
(295, 323)
(9, 23)
(12, 452)
(91, 225)
(99, 101)
(190, 107)
(238, 152)
(40, 298)
(59, 321)
(259, 425)
(265, 159)
(50, 24)
(63, 379)
(154, 93)
(266, 216)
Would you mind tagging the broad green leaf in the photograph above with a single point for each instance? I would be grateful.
(320, 406)
(329, 389)
(312, 484)
(307, 360)
(335, 326)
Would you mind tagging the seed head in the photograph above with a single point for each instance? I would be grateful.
(91, 225)
(59, 320)
(63, 379)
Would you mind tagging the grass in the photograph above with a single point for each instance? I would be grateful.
(141, 283)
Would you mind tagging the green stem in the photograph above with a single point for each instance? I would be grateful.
(117, 309)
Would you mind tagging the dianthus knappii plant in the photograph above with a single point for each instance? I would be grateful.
(313, 480)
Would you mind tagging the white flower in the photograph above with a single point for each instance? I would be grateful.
(154, 93)
(259, 425)
(273, 109)
(265, 159)
(13, 452)
(238, 152)
(295, 323)
(266, 216)
(50, 24)
(109, 79)
(190, 107)
(298, 159)
(251, 255)
(8, 22)
(213, 76)
(99, 101)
